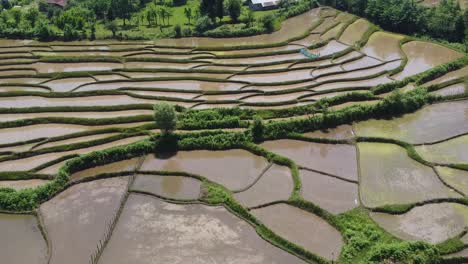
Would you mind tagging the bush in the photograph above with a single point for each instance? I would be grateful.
(238, 30)
(405, 253)
(70, 34)
(44, 32)
(203, 24)
(234, 9)
(269, 23)
(165, 117)
(178, 31)
(257, 129)
(179, 2)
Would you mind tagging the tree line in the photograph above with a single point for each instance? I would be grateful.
(446, 21)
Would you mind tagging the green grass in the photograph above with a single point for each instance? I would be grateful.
(144, 31)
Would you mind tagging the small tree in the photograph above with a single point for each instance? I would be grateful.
(269, 23)
(165, 117)
(112, 26)
(234, 9)
(178, 31)
(188, 14)
(250, 18)
(257, 129)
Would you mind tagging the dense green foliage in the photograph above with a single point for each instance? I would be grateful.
(406, 252)
(141, 19)
(445, 21)
(165, 117)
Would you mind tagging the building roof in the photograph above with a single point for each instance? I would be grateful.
(265, 3)
(61, 3)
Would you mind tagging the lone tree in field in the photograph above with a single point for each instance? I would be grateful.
(165, 117)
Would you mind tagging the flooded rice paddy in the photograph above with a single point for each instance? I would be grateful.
(154, 207)
(152, 230)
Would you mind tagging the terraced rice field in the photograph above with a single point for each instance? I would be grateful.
(80, 163)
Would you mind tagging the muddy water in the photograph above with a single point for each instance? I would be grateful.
(37, 101)
(361, 73)
(176, 84)
(334, 195)
(176, 74)
(21, 241)
(27, 164)
(22, 88)
(424, 55)
(324, 95)
(22, 184)
(75, 140)
(110, 114)
(384, 46)
(332, 46)
(209, 106)
(67, 84)
(22, 80)
(322, 71)
(17, 72)
(449, 76)
(172, 187)
(43, 67)
(339, 132)
(451, 151)
(159, 65)
(302, 228)
(274, 77)
(318, 156)
(454, 89)
(354, 32)
(309, 40)
(110, 77)
(389, 176)
(151, 231)
(256, 51)
(9, 135)
(82, 212)
(433, 223)
(262, 59)
(426, 125)
(342, 106)
(332, 33)
(222, 68)
(347, 56)
(35, 161)
(275, 185)
(458, 179)
(326, 24)
(52, 170)
(282, 66)
(120, 166)
(164, 93)
(234, 169)
(311, 64)
(224, 97)
(275, 98)
(362, 83)
(292, 27)
(361, 63)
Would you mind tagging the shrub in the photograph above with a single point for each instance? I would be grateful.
(234, 9)
(179, 2)
(165, 117)
(178, 31)
(203, 24)
(406, 252)
(257, 129)
(269, 23)
(70, 34)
